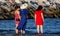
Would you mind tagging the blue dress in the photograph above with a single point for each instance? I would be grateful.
(23, 21)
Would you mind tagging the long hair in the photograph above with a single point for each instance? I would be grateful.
(39, 8)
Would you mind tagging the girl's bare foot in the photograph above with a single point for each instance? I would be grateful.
(22, 32)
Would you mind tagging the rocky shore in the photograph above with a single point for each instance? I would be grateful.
(7, 11)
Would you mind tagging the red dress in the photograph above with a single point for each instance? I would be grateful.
(16, 17)
(39, 19)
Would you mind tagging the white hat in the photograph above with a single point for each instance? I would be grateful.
(23, 6)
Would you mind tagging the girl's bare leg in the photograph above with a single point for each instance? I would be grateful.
(41, 28)
(16, 29)
(38, 29)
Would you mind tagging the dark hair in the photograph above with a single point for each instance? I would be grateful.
(39, 7)
(17, 6)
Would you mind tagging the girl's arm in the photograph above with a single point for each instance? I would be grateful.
(35, 17)
(42, 16)
(19, 15)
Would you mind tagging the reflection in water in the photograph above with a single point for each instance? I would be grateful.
(21, 35)
(30, 35)
(39, 34)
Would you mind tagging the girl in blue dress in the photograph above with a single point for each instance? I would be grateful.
(23, 14)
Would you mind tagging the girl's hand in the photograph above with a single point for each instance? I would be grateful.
(43, 19)
(35, 17)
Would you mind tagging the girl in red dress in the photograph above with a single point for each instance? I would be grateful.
(17, 17)
(39, 19)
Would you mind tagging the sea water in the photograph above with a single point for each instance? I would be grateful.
(51, 25)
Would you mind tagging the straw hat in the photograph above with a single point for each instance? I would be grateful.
(24, 6)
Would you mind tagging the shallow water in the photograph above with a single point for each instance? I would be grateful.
(12, 33)
(51, 25)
